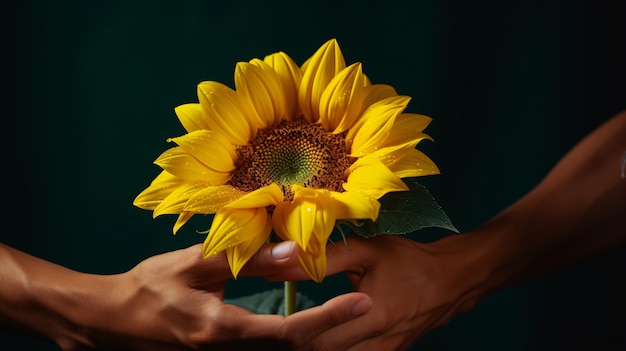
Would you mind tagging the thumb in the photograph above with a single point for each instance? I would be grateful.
(273, 258)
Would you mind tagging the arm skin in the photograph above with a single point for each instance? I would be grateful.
(172, 301)
(578, 211)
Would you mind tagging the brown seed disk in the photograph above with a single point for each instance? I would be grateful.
(293, 152)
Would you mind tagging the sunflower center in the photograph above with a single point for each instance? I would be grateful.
(292, 153)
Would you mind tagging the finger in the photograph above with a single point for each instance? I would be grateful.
(274, 261)
(351, 257)
(304, 326)
(269, 260)
(354, 255)
(272, 258)
(199, 272)
(355, 334)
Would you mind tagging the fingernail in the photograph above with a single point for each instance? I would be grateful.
(283, 250)
(362, 306)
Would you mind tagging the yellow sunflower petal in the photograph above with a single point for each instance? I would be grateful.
(223, 107)
(232, 226)
(372, 111)
(308, 220)
(210, 199)
(369, 176)
(210, 148)
(340, 103)
(179, 163)
(261, 86)
(416, 121)
(414, 164)
(375, 125)
(291, 223)
(320, 69)
(281, 92)
(408, 127)
(160, 188)
(262, 197)
(192, 117)
(296, 220)
(389, 155)
(351, 205)
(239, 254)
(377, 92)
(322, 204)
(175, 202)
(313, 261)
(183, 218)
(366, 81)
(290, 76)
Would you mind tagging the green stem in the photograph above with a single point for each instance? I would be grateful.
(290, 297)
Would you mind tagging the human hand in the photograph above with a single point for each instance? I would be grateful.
(174, 301)
(419, 287)
(415, 288)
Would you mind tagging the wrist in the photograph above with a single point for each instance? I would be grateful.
(92, 309)
(496, 254)
(485, 261)
(465, 263)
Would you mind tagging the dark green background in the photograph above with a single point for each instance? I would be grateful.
(89, 89)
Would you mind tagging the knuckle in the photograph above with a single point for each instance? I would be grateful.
(213, 330)
(292, 338)
(210, 335)
(381, 322)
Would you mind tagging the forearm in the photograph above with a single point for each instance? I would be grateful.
(578, 211)
(45, 298)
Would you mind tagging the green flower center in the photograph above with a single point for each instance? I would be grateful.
(290, 153)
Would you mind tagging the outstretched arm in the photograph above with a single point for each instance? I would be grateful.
(172, 301)
(576, 212)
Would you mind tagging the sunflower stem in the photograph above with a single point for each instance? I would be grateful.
(290, 297)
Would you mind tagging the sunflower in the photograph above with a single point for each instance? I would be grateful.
(291, 150)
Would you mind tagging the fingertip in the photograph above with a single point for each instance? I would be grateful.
(362, 306)
(338, 311)
(283, 250)
(272, 258)
(357, 303)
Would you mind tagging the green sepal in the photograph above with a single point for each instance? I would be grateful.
(404, 212)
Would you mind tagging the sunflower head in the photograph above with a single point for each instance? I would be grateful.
(290, 150)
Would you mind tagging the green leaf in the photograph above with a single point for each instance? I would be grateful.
(404, 212)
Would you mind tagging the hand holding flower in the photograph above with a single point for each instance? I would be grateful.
(172, 301)
(415, 288)
(575, 213)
